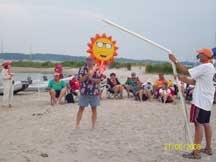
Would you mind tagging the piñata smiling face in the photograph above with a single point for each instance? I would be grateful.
(102, 49)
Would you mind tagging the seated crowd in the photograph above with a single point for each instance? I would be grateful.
(162, 89)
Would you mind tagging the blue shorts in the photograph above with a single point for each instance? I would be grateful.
(93, 101)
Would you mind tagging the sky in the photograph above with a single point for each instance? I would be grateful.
(66, 26)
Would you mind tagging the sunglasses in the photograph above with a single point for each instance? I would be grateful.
(198, 56)
(101, 44)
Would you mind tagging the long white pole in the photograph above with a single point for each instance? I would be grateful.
(136, 35)
(184, 109)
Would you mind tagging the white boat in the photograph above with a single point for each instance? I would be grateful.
(18, 86)
(41, 85)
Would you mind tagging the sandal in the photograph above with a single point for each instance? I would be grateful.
(206, 151)
(192, 155)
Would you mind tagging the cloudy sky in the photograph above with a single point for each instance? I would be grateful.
(65, 26)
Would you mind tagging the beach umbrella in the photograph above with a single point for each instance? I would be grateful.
(184, 108)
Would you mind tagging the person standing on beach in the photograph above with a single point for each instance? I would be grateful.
(203, 95)
(89, 90)
(8, 84)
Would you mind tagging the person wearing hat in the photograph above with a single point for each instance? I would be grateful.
(57, 89)
(8, 84)
(90, 79)
(201, 77)
(131, 84)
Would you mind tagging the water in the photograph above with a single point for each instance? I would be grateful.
(34, 76)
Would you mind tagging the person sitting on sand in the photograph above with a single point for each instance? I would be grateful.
(57, 89)
(8, 84)
(148, 90)
(142, 92)
(131, 84)
(114, 85)
(158, 84)
(74, 85)
(165, 94)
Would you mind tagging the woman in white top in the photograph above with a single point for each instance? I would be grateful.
(166, 94)
(7, 78)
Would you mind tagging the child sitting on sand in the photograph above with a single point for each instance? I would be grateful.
(143, 92)
(165, 94)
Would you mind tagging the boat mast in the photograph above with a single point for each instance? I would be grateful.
(30, 51)
(2, 47)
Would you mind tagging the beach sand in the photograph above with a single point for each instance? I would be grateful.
(126, 131)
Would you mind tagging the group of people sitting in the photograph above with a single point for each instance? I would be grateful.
(161, 89)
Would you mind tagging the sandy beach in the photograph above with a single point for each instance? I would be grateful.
(126, 130)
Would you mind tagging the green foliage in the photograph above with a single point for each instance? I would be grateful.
(150, 68)
(72, 64)
(75, 64)
(122, 65)
(128, 66)
(159, 68)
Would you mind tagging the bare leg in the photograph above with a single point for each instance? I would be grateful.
(155, 89)
(116, 90)
(53, 96)
(198, 134)
(62, 94)
(173, 98)
(94, 116)
(121, 91)
(141, 93)
(79, 116)
(149, 95)
(165, 97)
(208, 135)
(128, 90)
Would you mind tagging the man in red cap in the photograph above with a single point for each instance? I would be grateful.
(202, 77)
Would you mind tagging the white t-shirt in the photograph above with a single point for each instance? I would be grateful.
(5, 74)
(164, 92)
(204, 90)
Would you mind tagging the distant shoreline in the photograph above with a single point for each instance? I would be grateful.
(42, 70)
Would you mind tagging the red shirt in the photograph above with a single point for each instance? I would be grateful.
(74, 84)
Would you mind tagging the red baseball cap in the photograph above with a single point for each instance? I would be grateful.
(7, 63)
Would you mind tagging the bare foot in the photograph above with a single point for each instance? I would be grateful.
(56, 101)
(52, 102)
